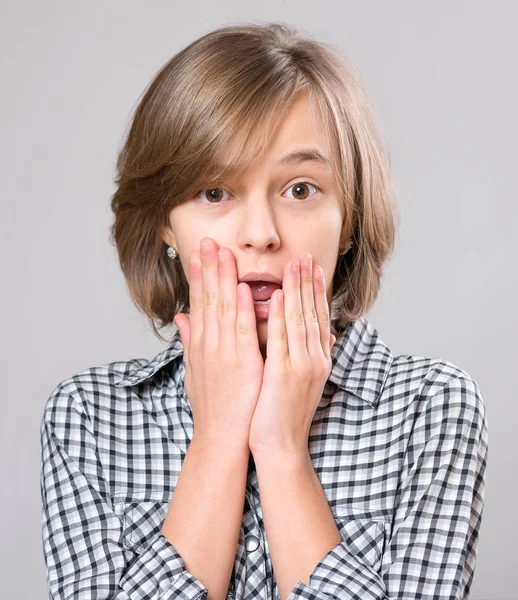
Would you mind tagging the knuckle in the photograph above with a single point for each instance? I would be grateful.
(243, 328)
(322, 369)
(312, 314)
(225, 309)
(282, 335)
(209, 298)
(298, 318)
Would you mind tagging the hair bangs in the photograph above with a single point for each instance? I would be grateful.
(228, 150)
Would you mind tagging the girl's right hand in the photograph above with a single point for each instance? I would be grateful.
(224, 365)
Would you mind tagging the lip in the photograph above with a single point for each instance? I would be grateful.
(260, 276)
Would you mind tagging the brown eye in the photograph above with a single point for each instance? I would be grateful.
(300, 190)
(212, 195)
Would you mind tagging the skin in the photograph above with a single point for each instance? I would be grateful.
(267, 222)
(265, 218)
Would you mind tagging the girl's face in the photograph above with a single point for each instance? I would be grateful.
(276, 211)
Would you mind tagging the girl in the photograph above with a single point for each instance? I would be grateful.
(276, 448)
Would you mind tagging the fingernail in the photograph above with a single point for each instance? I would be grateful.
(204, 246)
(308, 262)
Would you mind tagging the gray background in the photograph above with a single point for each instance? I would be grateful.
(443, 79)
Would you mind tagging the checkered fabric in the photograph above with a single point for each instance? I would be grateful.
(399, 444)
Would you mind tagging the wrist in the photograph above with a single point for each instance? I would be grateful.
(216, 445)
(283, 458)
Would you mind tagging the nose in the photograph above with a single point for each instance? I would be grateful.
(258, 228)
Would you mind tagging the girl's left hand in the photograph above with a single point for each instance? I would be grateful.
(298, 361)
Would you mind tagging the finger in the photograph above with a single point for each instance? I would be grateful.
(294, 317)
(195, 297)
(246, 325)
(314, 342)
(227, 300)
(181, 320)
(322, 308)
(276, 343)
(210, 276)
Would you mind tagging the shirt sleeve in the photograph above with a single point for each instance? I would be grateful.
(82, 535)
(433, 546)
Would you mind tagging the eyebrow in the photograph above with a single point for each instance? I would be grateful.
(305, 155)
(299, 156)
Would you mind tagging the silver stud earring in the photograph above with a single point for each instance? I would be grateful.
(172, 252)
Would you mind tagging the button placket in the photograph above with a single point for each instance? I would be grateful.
(251, 543)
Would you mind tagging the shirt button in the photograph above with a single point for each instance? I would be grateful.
(251, 543)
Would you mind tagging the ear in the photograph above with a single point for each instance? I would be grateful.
(168, 236)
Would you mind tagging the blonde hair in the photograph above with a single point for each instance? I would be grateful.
(229, 88)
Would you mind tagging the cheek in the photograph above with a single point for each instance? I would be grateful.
(328, 274)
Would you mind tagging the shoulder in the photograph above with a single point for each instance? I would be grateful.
(436, 390)
(399, 385)
(90, 390)
(428, 375)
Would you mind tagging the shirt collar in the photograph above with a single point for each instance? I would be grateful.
(361, 361)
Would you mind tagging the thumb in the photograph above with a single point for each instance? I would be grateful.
(333, 340)
(182, 321)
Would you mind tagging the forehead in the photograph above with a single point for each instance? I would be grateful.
(299, 136)
(302, 125)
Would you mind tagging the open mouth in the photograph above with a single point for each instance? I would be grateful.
(262, 291)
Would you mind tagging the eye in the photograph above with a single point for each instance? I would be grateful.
(216, 195)
(301, 189)
(213, 197)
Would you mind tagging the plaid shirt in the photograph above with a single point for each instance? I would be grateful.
(399, 444)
